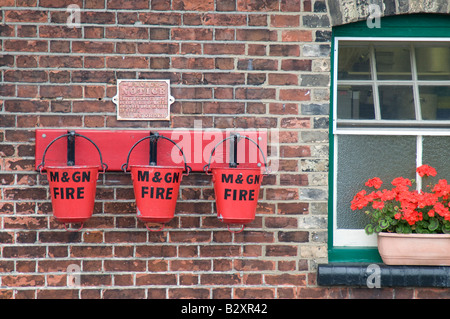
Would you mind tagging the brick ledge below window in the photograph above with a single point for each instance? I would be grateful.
(356, 274)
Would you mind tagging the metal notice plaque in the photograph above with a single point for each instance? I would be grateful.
(143, 100)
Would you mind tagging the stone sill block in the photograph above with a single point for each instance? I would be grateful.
(357, 274)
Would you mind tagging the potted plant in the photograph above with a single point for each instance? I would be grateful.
(413, 225)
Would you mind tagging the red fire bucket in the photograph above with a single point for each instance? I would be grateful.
(72, 187)
(236, 192)
(156, 187)
(236, 189)
(156, 192)
(72, 190)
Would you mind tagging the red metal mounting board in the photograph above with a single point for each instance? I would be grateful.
(115, 145)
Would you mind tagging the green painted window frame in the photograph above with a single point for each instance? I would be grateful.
(413, 25)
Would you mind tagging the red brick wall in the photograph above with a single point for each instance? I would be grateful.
(232, 64)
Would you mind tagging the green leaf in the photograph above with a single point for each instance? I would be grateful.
(434, 224)
(446, 229)
(383, 224)
(369, 229)
(403, 229)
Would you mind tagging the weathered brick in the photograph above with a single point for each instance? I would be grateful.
(27, 31)
(219, 251)
(24, 222)
(6, 60)
(160, 18)
(190, 265)
(315, 21)
(286, 279)
(256, 35)
(296, 65)
(220, 279)
(258, 20)
(93, 76)
(224, 78)
(25, 45)
(293, 236)
(60, 3)
(193, 5)
(94, 4)
(197, 293)
(156, 279)
(126, 33)
(91, 251)
(295, 94)
(294, 179)
(257, 64)
(23, 280)
(284, 21)
(226, 5)
(97, 17)
(187, 34)
(254, 293)
(59, 46)
(26, 76)
(48, 31)
(7, 31)
(127, 62)
(255, 93)
(59, 91)
(257, 6)
(295, 122)
(124, 293)
(94, 32)
(36, 16)
(24, 252)
(293, 208)
(92, 47)
(25, 193)
(158, 48)
(129, 5)
(284, 50)
(26, 106)
(60, 61)
(224, 49)
(224, 19)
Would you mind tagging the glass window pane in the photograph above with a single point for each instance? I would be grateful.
(353, 63)
(362, 157)
(396, 102)
(435, 102)
(393, 63)
(436, 152)
(433, 61)
(355, 102)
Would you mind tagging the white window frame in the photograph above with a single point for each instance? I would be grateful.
(358, 237)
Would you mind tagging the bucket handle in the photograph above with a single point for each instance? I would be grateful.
(161, 227)
(207, 167)
(41, 166)
(73, 230)
(187, 168)
(236, 231)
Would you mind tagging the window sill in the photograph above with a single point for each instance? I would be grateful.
(357, 274)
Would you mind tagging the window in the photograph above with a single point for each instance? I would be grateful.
(391, 113)
(392, 83)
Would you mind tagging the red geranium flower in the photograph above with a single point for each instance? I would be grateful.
(426, 170)
(405, 210)
(401, 181)
(377, 205)
(374, 182)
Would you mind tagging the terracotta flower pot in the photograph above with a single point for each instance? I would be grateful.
(414, 249)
